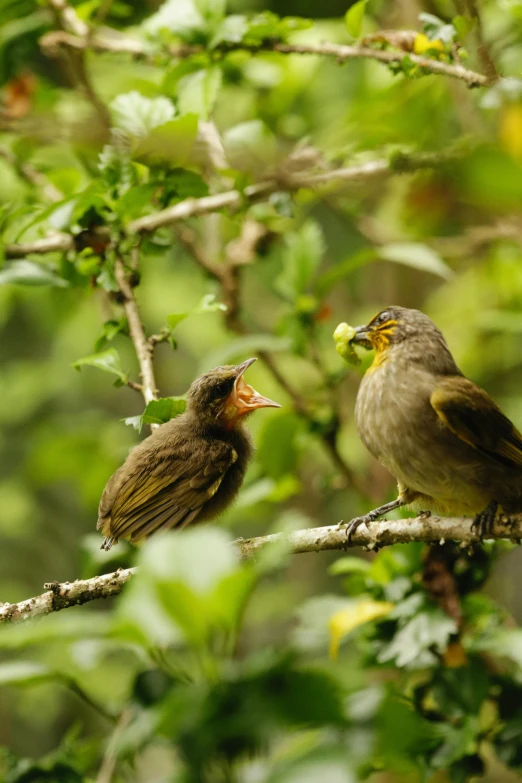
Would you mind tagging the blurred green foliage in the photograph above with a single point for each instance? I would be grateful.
(205, 668)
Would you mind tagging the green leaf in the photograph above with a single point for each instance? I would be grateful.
(157, 412)
(212, 10)
(110, 330)
(177, 16)
(302, 253)
(209, 304)
(354, 17)
(182, 183)
(24, 272)
(268, 25)
(137, 115)
(345, 268)
(163, 410)
(199, 558)
(198, 92)
(277, 451)
(414, 643)
(416, 255)
(108, 361)
(241, 346)
(169, 143)
(24, 673)
(231, 31)
(176, 318)
(250, 146)
(186, 576)
(349, 565)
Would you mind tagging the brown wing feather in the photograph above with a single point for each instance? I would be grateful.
(171, 494)
(470, 413)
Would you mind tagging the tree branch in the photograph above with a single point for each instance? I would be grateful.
(424, 529)
(234, 199)
(111, 41)
(68, 19)
(63, 595)
(144, 349)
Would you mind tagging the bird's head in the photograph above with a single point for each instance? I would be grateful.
(223, 396)
(414, 331)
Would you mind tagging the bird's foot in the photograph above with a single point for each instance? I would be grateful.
(424, 514)
(483, 523)
(353, 524)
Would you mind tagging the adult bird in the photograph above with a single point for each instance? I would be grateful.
(447, 443)
(189, 469)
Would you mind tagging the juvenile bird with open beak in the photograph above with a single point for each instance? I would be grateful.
(191, 468)
(447, 443)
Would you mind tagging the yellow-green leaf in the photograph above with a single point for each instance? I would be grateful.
(356, 613)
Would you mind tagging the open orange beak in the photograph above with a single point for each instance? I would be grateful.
(243, 397)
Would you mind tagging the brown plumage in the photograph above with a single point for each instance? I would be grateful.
(447, 443)
(189, 469)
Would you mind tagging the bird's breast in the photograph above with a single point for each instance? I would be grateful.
(398, 425)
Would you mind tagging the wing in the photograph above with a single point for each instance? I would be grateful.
(471, 414)
(171, 493)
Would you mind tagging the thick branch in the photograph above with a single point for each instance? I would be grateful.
(113, 42)
(62, 596)
(142, 345)
(234, 199)
(318, 539)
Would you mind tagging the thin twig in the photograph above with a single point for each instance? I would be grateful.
(111, 41)
(70, 22)
(106, 771)
(319, 539)
(234, 199)
(141, 344)
(483, 49)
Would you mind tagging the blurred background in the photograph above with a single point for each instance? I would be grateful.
(444, 238)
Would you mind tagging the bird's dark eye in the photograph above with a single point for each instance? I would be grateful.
(383, 317)
(223, 387)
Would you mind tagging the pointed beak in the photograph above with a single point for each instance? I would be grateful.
(361, 336)
(244, 397)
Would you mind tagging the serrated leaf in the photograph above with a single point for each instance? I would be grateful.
(108, 361)
(163, 410)
(24, 272)
(231, 30)
(133, 421)
(177, 16)
(137, 115)
(427, 631)
(354, 17)
(416, 255)
(198, 92)
(170, 143)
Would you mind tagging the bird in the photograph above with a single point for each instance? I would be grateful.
(444, 439)
(190, 468)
